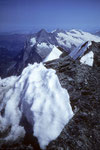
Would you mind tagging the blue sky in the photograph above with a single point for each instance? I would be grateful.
(33, 15)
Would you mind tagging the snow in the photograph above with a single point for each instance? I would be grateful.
(74, 38)
(55, 53)
(43, 45)
(88, 59)
(53, 31)
(33, 41)
(79, 51)
(38, 95)
(43, 49)
(12, 114)
(5, 85)
(85, 36)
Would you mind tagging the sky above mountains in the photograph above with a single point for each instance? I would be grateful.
(32, 15)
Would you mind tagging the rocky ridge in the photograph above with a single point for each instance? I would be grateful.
(83, 85)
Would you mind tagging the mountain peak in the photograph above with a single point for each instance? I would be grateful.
(42, 31)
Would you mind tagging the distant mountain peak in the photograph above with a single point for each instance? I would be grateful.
(42, 31)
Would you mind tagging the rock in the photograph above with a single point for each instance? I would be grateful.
(83, 85)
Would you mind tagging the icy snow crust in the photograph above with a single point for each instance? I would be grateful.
(38, 95)
(88, 59)
(55, 53)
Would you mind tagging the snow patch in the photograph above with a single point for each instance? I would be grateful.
(55, 53)
(88, 59)
(33, 41)
(38, 95)
(44, 45)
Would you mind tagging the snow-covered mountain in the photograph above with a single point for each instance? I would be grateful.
(65, 39)
(35, 103)
(42, 44)
(74, 38)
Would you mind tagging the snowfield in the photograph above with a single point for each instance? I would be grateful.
(55, 53)
(38, 95)
(74, 38)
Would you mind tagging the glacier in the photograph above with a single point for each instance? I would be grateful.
(74, 38)
(38, 95)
